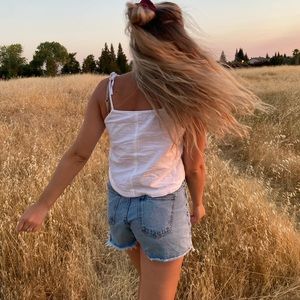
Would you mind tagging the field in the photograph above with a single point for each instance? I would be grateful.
(247, 246)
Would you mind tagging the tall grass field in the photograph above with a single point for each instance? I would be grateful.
(247, 245)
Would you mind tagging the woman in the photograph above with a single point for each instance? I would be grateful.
(157, 117)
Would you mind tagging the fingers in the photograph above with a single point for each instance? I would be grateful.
(30, 228)
(27, 227)
(195, 220)
(20, 226)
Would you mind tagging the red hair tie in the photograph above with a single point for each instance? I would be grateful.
(148, 4)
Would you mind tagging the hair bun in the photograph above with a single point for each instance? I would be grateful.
(139, 15)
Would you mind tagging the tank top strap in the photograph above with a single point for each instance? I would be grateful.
(111, 82)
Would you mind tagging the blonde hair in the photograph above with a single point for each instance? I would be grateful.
(176, 73)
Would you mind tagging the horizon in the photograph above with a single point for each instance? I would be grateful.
(269, 29)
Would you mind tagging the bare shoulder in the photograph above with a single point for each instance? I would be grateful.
(126, 79)
(100, 95)
(122, 82)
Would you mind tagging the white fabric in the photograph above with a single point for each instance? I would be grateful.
(141, 160)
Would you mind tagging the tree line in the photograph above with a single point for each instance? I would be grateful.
(52, 58)
(241, 59)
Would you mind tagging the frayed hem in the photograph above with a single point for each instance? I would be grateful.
(110, 244)
(172, 258)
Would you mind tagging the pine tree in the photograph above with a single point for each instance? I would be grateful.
(113, 61)
(122, 60)
(112, 53)
(104, 60)
(239, 55)
(246, 57)
(267, 56)
(223, 57)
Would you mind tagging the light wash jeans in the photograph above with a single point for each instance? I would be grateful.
(161, 225)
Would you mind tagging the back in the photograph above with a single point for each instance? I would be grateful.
(141, 157)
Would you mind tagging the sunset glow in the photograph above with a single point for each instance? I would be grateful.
(259, 27)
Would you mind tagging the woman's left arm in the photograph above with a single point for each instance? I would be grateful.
(71, 162)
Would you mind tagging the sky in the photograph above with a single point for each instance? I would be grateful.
(257, 26)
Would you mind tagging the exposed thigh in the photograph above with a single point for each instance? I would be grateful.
(159, 280)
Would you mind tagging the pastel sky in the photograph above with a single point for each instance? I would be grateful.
(257, 26)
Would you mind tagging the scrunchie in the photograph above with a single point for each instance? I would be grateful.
(148, 4)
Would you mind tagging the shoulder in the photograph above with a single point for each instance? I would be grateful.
(102, 86)
(99, 95)
(100, 92)
(125, 79)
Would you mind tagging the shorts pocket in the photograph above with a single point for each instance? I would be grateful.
(113, 203)
(156, 215)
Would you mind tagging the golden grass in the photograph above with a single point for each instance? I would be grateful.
(248, 245)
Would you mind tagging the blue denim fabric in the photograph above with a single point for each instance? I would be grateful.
(161, 225)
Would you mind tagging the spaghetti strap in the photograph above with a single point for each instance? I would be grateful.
(111, 82)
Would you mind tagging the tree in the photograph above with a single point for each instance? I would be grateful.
(267, 56)
(223, 57)
(122, 60)
(296, 57)
(72, 66)
(107, 62)
(113, 66)
(103, 62)
(52, 55)
(246, 58)
(28, 71)
(296, 52)
(112, 53)
(89, 64)
(11, 60)
(33, 69)
(239, 55)
(277, 59)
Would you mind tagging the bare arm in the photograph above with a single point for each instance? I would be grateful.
(66, 170)
(79, 152)
(71, 163)
(196, 183)
(195, 171)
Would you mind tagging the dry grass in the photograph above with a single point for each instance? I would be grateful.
(248, 245)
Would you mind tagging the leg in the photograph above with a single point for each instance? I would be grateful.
(134, 255)
(159, 280)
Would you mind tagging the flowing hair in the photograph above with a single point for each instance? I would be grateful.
(175, 73)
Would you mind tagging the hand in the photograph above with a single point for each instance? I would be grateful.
(198, 213)
(32, 218)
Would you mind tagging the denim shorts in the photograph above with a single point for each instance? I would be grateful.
(161, 225)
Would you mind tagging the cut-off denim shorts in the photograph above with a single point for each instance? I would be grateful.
(161, 225)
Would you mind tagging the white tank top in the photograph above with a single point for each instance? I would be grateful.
(141, 157)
